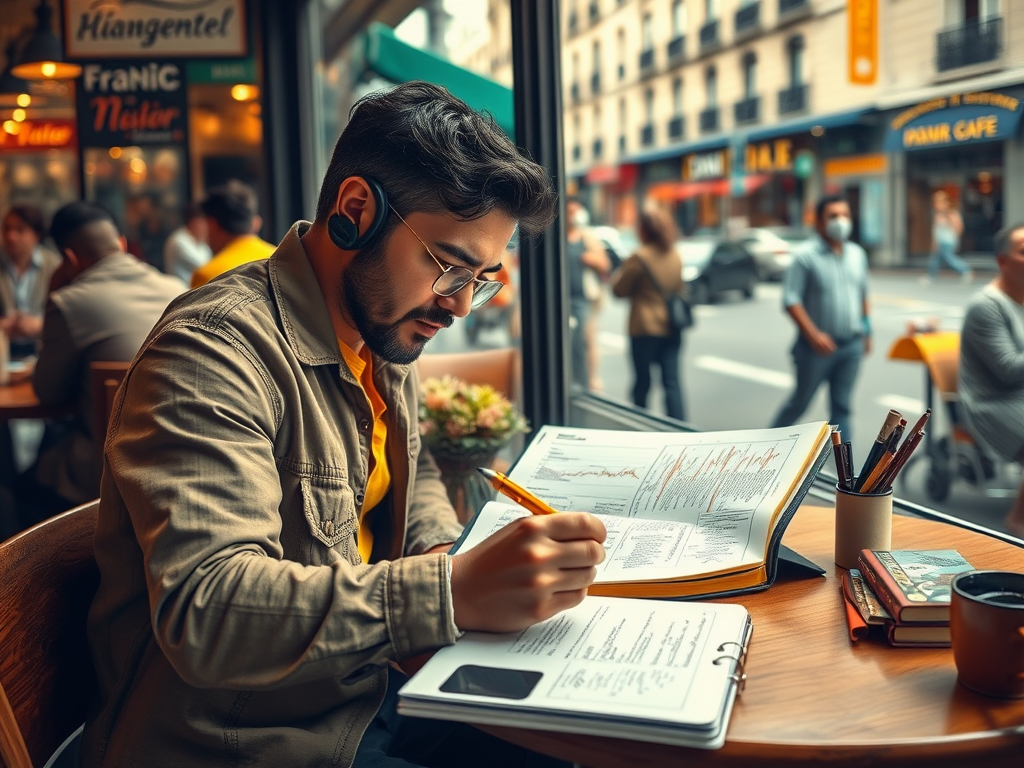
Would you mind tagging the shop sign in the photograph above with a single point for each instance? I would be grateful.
(856, 165)
(38, 134)
(152, 28)
(132, 103)
(706, 165)
(862, 39)
(958, 119)
(770, 156)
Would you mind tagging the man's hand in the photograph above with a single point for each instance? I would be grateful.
(528, 571)
(26, 326)
(867, 345)
(821, 342)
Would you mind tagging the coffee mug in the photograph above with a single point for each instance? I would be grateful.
(986, 621)
(863, 521)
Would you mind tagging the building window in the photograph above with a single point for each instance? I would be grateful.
(711, 87)
(620, 44)
(648, 32)
(710, 10)
(677, 96)
(678, 18)
(749, 75)
(795, 56)
(649, 105)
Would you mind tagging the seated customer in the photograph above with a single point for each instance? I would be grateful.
(991, 389)
(104, 311)
(186, 249)
(232, 221)
(25, 271)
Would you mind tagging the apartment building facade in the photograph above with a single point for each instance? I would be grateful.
(742, 112)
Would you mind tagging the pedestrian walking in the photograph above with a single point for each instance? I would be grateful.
(947, 227)
(825, 291)
(656, 269)
(584, 251)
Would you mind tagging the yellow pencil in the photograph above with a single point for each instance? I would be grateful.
(516, 492)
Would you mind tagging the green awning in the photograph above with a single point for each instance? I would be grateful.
(400, 62)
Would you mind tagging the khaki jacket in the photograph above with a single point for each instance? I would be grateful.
(648, 315)
(235, 623)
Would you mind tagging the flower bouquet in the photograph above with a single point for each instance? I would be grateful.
(464, 426)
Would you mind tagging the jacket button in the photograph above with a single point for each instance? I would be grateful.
(359, 498)
(329, 527)
(364, 425)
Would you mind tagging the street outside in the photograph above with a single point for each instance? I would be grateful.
(737, 372)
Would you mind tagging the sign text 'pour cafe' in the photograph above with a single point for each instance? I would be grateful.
(957, 119)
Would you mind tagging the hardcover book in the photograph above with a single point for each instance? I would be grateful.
(913, 584)
(918, 635)
(862, 596)
(688, 514)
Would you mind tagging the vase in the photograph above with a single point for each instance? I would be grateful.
(467, 488)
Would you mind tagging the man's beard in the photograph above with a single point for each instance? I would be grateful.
(366, 294)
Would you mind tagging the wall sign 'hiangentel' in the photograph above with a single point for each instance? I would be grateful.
(96, 29)
(131, 103)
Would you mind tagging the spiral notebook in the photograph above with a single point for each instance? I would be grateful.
(632, 668)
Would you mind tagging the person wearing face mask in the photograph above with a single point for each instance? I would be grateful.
(825, 291)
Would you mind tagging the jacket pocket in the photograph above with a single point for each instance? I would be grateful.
(330, 509)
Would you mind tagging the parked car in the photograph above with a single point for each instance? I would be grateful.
(772, 248)
(712, 266)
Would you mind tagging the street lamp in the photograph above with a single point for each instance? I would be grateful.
(42, 57)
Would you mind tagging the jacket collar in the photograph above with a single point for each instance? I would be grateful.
(304, 315)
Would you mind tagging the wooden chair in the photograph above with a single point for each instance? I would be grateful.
(104, 378)
(497, 367)
(47, 580)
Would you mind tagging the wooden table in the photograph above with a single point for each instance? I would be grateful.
(18, 401)
(814, 697)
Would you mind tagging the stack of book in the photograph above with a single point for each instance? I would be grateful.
(906, 592)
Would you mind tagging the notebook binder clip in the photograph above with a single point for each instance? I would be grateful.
(739, 676)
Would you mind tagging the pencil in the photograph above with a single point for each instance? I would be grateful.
(879, 445)
(902, 457)
(920, 423)
(837, 453)
(883, 463)
(516, 492)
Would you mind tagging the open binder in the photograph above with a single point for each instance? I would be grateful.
(689, 515)
(619, 667)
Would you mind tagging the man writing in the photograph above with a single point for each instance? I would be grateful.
(272, 538)
(825, 291)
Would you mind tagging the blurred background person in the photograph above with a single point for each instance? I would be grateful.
(947, 227)
(584, 251)
(991, 376)
(186, 249)
(26, 267)
(232, 219)
(645, 278)
(108, 303)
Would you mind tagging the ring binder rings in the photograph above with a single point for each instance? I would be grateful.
(652, 670)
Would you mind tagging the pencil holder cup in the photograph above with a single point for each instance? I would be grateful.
(863, 521)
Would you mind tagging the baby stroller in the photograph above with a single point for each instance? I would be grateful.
(956, 454)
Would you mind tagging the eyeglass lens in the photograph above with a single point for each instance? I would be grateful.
(454, 279)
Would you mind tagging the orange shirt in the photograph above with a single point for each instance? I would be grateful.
(379, 481)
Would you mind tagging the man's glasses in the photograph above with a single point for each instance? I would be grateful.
(453, 279)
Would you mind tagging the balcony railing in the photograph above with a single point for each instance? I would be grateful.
(748, 18)
(598, 148)
(676, 47)
(647, 135)
(747, 111)
(793, 99)
(788, 6)
(646, 60)
(709, 35)
(677, 127)
(972, 43)
(595, 82)
(709, 120)
(574, 91)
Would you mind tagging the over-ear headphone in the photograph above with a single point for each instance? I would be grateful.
(343, 230)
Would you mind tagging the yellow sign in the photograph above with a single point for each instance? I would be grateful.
(770, 156)
(706, 165)
(856, 165)
(984, 127)
(862, 41)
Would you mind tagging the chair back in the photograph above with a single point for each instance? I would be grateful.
(497, 367)
(104, 378)
(48, 577)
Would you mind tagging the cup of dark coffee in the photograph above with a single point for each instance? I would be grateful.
(986, 621)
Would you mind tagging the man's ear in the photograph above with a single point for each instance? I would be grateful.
(356, 202)
(72, 258)
(123, 242)
(257, 224)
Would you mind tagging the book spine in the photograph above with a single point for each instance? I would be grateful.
(881, 583)
(859, 593)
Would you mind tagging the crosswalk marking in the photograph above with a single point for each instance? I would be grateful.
(754, 373)
(905, 405)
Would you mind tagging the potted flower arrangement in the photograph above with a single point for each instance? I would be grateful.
(464, 426)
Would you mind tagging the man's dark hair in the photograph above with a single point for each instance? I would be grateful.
(233, 206)
(826, 201)
(68, 220)
(432, 152)
(32, 217)
(192, 211)
(1002, 238)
